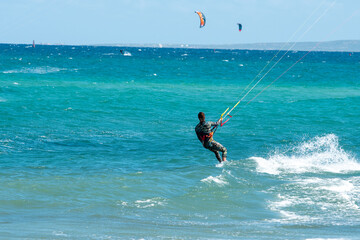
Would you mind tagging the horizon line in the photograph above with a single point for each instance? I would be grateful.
(329, 46)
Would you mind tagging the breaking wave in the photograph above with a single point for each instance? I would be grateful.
(320, 154)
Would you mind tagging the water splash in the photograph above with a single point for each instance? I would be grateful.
(320, 154)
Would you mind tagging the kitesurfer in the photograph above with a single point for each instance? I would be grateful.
(204, 131)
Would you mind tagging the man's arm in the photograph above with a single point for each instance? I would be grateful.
(214, 124)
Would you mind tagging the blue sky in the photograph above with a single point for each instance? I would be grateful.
(174, 21)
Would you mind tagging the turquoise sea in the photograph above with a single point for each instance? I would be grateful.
(99, 145)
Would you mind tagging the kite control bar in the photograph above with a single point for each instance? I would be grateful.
(222, 115)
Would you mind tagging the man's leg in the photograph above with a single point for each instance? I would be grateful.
(217, 155)
(215, 146)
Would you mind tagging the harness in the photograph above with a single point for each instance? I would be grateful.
(207, 136)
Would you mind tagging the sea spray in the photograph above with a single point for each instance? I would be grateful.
(320, 154)
(313, 196)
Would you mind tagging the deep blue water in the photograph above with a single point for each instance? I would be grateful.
(98, 145)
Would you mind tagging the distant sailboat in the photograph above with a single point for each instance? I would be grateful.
(33, 43)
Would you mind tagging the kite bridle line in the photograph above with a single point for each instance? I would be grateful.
(309, 28)
(311, 50)
(301, 58)
(287, 42)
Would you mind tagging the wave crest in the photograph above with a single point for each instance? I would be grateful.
(320, 154)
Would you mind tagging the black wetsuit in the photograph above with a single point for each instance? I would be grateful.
(204, 134)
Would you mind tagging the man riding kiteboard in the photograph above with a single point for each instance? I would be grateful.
(204, 131)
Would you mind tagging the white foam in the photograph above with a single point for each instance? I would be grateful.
(321, 154)
(152, 202)
(35, 70)
(285, 204)
(291, 216)
(220, 165)
(59, 233)
(122, 203)
(345, 191)
(317, 199)
(220, 180)
(227, 163)
(340, 186)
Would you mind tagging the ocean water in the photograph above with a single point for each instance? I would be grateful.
(99, 145)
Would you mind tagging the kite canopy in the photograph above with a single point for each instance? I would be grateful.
(202, 18)
(240, 27)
